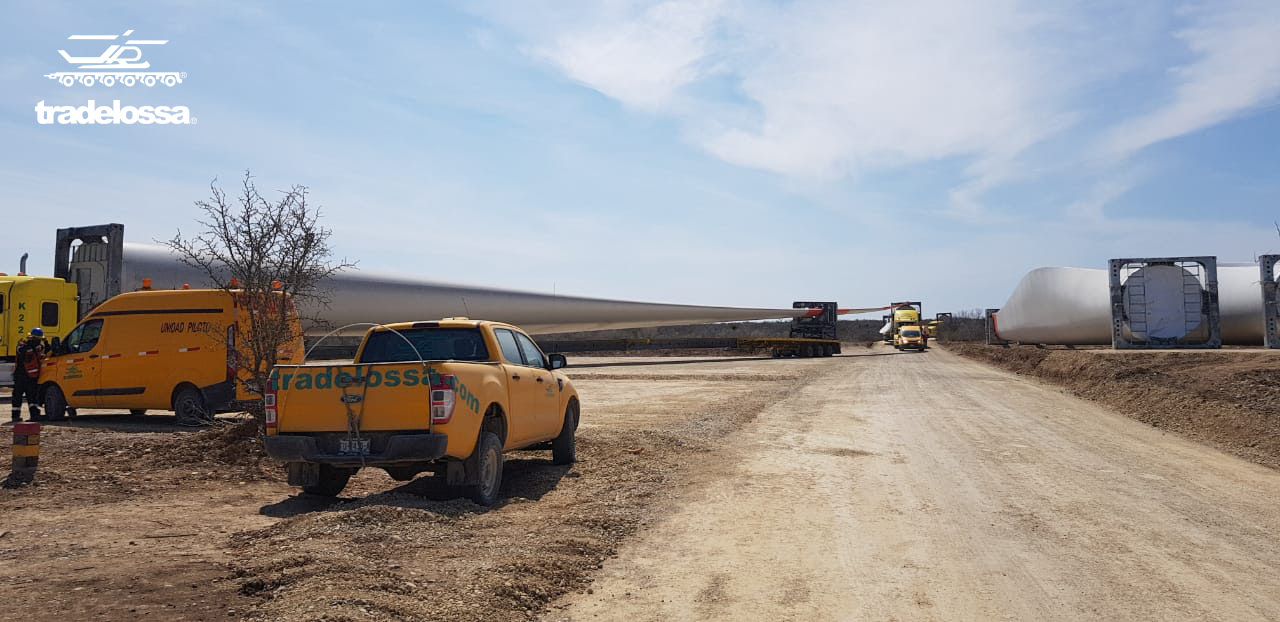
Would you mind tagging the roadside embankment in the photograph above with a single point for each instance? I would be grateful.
(1229, 399)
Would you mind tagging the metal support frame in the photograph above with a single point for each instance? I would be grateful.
(1270, 300)
(1200, 296)
(992, 338)
(822, 326)
(112, 234)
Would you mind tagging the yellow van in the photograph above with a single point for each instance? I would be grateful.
(161, 350)
(28, 302)
(911, 338)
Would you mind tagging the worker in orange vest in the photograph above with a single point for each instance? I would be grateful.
(26, 373)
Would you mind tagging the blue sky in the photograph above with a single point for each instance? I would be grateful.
(714, 152)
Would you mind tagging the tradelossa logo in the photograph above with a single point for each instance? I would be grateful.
(119, 64)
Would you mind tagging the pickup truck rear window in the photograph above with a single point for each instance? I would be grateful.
(433, 344)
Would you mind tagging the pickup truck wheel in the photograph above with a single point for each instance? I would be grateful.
(489, 470)
(332, 481)
(563, 448)
(55, 403)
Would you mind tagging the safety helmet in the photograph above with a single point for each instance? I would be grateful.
(37, 332)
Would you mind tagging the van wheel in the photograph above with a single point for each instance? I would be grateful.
(137, 412)
(189, 408)
(332, 481)
(563, 448)
(489, 470)
(55, 403)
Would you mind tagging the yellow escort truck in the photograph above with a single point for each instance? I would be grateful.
(447, 397)
(154, 349)
(27, 302)
(910, 338)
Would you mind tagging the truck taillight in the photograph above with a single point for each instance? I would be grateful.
(269, 406)
(442, 399)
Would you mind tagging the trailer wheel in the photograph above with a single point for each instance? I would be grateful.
(332, 481)
(563, 448)
(55, 403)
(489, 470)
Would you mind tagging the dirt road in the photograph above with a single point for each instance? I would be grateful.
(878, 486)
(926, 486)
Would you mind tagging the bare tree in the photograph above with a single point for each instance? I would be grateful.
(272, 257)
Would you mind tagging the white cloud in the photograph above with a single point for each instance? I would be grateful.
(826, 88)
(846, 87)
(1236, 67)
(1091, 208)
(636, 54)
(835, 90)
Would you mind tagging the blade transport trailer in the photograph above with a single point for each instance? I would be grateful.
(812, 334)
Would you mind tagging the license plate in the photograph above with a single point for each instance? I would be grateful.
(353, 446)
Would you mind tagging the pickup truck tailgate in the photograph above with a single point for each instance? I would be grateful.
(382, 396)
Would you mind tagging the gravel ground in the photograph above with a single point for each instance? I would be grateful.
(132, 517)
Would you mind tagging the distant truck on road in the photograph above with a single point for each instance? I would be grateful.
(906, 313)
(911, 337)
(447, 397)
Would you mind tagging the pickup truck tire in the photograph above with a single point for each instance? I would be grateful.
(332, 481)
(55, 403)
(563, 448)
(488, 470)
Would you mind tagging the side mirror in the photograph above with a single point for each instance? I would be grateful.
(557, 361)
(55, 346)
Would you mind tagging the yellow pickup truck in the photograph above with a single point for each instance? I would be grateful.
(447, 397)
